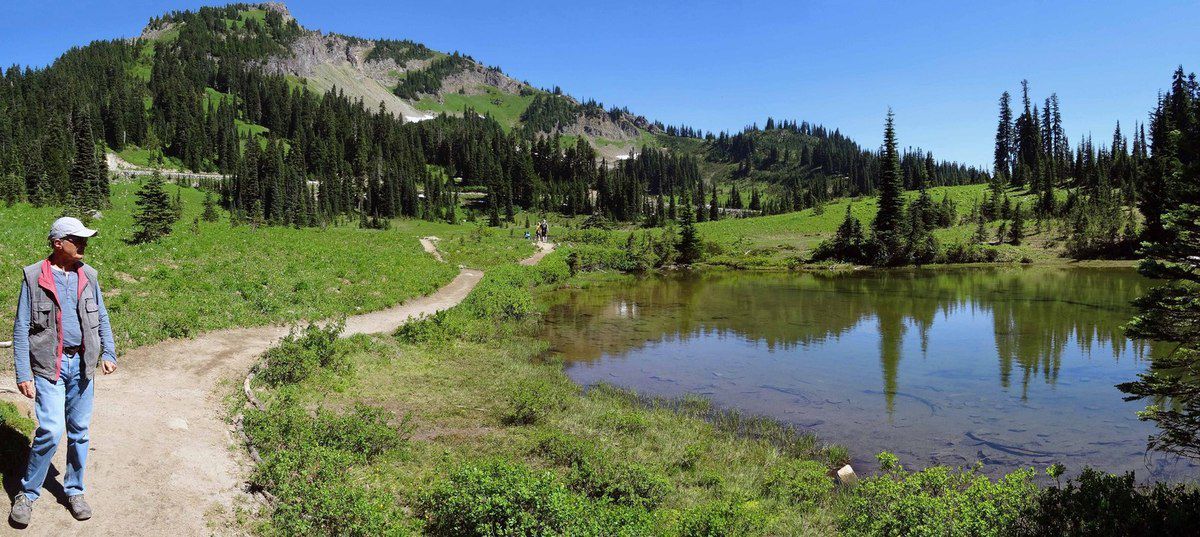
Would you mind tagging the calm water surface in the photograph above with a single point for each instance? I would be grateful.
(1009, 366)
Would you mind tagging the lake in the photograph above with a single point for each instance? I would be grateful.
(1009, 366)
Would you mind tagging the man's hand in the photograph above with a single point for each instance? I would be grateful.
(27, 389)
(108, 367)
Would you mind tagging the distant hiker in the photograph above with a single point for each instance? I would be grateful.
(60, 338)
(526, 234)
(543, 230)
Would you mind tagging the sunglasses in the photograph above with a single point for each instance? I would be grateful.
(77, 241)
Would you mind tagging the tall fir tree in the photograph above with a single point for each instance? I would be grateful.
(1002, 159)
(86, 177)
(888, 228)
(1170, 311)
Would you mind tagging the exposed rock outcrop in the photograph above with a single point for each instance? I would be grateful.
(468, 81)
(327, 61)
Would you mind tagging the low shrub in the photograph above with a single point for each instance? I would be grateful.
(551, 269)
(836, 456)
(298, 356)
(15, 430)
(591, 257)
(319, 496)
(11, 418)
(935, 501)
(502, 295)
(1096, 503)
(309, 460)
(503, 498)
(531, 402)
(624, 483)
(969, 253)
(595, 473)
(588, 235)
(801, 483)
(564, 449)
(721, 519)
(632, 422)
(364, 432)
(691, 456)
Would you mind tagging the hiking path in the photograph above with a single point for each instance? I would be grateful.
(164, 458)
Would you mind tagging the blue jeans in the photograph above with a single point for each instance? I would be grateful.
(61, 406)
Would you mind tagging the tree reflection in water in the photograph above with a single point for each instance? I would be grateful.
(1026, 321)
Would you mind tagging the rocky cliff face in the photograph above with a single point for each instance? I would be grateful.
(468, 81)
(624, 126)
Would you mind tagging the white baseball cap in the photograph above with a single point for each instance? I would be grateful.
(68, 225)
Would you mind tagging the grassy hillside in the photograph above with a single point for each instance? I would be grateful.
(505, 108)
(207, 276)
(779, 240)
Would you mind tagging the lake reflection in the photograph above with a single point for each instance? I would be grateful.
(1008, 366)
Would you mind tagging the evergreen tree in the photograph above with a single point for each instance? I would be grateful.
(920, 244)
(1171, 313)
(177, 203)
(155, 215)
(1002, 164)
(688, 247)
(888, 228)
(980, 235)
(210, 208)
(735, 198)
(1017, 231)
(86, 178)
(1029, 145)
(848, 243)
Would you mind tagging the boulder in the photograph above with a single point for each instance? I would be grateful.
(846, 476)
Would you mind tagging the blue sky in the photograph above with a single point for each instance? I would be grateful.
(722, 65)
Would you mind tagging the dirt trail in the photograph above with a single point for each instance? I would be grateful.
(164, 459)
(430, 246)
(543, 249)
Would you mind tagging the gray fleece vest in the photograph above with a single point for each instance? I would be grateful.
(44, 338)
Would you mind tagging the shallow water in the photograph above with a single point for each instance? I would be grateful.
(1008, 366)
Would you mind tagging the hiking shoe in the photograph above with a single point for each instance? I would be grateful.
(22, 509)
(79, 507)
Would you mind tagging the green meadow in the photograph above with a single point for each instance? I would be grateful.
(207, 276)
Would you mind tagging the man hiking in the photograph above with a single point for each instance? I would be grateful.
(60, 335)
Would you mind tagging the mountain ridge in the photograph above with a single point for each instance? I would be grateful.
(373, 70)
